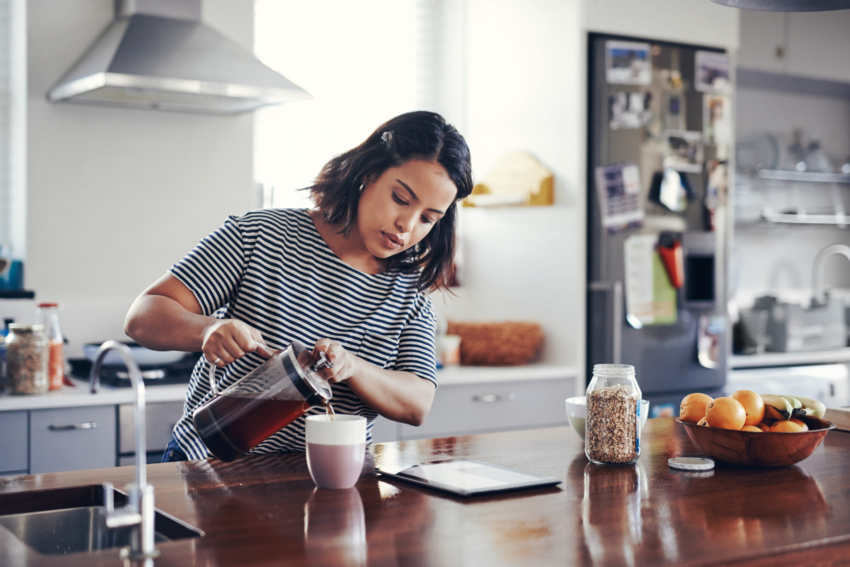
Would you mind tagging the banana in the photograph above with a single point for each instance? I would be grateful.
(795, 403)
(812, 408)
(777, 407)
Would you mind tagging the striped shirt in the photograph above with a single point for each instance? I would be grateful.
(272, 270)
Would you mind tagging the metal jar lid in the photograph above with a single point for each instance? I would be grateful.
(303, 368)
(21, 328)
(691, 463)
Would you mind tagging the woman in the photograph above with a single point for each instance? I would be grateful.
(349, 277)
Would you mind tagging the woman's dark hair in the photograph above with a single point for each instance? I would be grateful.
(415, 135)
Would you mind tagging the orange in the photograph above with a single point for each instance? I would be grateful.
(693, 407)
(702, 422)
(764, 425)
(753, 405)
(785, 427)
(801, 423)
(725, 413)
(752, 428)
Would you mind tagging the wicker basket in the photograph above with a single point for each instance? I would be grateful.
(497, 344)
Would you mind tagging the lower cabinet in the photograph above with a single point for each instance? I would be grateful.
(160, 419)
(14, 452)
(462, 409)
(80, 438)
(70, 439)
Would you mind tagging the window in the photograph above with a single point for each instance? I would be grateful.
(364, 62)
(12, 127)
(5, 117)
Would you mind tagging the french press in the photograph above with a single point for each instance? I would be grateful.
(272, 396)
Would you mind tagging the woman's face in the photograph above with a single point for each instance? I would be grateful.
(399, 208)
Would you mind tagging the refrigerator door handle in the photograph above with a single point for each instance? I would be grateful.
(616, 290)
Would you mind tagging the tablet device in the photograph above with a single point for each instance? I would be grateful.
(467, 478)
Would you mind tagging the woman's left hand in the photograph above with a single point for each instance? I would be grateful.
(345, 363)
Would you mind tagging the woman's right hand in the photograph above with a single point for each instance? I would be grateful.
(225, 340)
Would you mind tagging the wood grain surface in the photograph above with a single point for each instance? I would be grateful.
(265, 510)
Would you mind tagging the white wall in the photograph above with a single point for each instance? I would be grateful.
(699, 22)
(523, 62)
(115, 196)
(526, 89)
(826, 119)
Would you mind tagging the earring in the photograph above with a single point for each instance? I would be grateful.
(361, 187)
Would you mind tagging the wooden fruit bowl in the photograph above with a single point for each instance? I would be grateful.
(758, 449)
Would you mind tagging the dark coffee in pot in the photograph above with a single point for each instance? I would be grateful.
(233, 424)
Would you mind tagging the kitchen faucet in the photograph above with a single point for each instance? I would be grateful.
(817, 274)
(139, 511)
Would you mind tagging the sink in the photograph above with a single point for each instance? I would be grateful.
(71, 520)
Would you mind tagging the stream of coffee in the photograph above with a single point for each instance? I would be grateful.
(330, 410)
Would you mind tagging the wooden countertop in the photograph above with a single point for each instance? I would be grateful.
(264, 510)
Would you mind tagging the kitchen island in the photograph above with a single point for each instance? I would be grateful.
(264, 510)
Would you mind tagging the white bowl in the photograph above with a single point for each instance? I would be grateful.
(577, 413)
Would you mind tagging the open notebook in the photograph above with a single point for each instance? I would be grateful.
(466, 477)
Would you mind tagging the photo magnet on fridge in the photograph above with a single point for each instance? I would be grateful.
(628, 63)
(672, 190)
(716, 120)
(712, 72)
(618, 188)
(629, 111)
(674, 110)
(716, 183)
(683, 150)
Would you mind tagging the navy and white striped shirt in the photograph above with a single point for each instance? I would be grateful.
(273, 270)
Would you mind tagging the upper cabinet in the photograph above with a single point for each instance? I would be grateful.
(762, 42)
(805, 44)
(819, 45)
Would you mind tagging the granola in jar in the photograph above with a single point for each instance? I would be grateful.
(27, 356)
(612, 431)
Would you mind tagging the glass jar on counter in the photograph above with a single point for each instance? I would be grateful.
(612, 430)
(27, 356)
(48, 315)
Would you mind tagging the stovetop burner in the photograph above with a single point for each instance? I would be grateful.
(179, 372)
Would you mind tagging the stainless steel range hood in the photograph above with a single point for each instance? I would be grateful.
(158, 54)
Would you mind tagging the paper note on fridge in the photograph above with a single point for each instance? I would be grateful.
(650, 298)
(620, 203)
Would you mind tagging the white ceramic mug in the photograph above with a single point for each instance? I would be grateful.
(336, 449)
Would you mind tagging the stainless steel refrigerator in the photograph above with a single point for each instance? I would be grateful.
(659, 133)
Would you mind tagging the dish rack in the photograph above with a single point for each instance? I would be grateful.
(834, 181)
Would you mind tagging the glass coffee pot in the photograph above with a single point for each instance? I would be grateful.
(272, 396)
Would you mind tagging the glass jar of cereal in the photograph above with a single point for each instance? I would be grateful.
(612, 431)
(27, 356)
